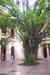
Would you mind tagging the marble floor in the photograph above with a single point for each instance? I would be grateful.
(14, 68)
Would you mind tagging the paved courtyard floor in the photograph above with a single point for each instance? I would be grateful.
(15, 69)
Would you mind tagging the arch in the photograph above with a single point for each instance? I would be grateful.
(12, 52)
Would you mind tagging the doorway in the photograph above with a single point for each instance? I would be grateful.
(3, 53)
(12, 52)
(45, 53)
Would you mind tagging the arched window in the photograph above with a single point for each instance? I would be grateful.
(12, 32)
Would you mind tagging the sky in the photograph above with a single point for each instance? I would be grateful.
(31, 2)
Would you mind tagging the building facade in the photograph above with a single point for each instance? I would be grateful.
(44, 49)
(13, 49)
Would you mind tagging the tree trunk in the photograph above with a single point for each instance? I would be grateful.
(23, 4)
(27, 5)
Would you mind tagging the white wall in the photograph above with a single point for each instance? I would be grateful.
(17, 47)
(40, 52)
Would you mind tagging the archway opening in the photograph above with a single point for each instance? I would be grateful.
(3, 53)
(12, 52)
(45, 53)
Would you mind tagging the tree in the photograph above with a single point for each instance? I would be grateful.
(31, 25)
(23, 4)
(27, 5)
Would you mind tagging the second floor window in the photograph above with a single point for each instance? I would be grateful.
(12, 32)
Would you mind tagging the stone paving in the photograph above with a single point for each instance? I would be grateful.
(15, 69)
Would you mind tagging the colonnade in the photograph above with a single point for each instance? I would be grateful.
(40, 53)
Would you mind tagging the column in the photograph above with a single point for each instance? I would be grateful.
(47, 51)
(40, 52)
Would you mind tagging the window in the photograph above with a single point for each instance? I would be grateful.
(12, 32)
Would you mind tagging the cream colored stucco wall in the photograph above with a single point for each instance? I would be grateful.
(16, 42)
(18, 49)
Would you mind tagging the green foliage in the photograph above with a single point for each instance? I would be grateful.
(6, 2)
(48, 33)
(30, 63)
(4, 41)
(49, 17)
(13, 8)
(2, 74)
(7, 21)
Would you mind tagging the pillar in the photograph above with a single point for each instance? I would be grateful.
(40, 52)
(47, 51)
